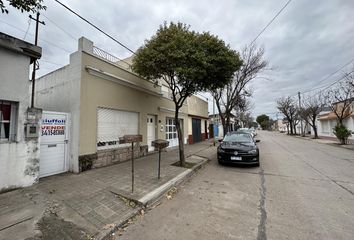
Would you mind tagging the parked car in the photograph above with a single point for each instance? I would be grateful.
(238, 147)
(247, 130)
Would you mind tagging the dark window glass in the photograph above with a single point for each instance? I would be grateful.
(5, 114)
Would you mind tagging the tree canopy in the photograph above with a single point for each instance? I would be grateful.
(233, 95)
(23, 5)
(287, 107)
(264, 121)
(187, 61)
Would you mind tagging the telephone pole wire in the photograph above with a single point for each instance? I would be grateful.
(34, 63)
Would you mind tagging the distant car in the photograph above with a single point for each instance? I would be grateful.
(247, 130)
(238, 147)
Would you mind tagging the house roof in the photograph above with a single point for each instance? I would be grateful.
(20, 46)
(331, 116)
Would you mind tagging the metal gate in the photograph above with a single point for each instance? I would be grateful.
(196, 130)
(54, 143)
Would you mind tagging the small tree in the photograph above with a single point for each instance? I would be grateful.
(232, 95)
(24, 6)
(342, 133)
(187, 62)
(341, 98)
(312, 106)
(287, 107)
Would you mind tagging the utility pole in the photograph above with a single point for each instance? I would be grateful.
(302, 130)
(34, 63)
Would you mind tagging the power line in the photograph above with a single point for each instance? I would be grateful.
(42, 40)
(84, 19)
(28, 27)
(328, 76)
(69, 34)
(259, 34)
(336, 81)
(46, 61)
(326, 86)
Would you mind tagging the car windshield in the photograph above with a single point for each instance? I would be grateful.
(238, 137)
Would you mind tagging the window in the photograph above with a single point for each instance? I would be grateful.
(113, 124)
(8, 117)
(171, 131)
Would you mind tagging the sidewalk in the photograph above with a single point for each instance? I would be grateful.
(329, 141)
(79, 206)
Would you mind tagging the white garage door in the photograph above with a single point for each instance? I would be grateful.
(54, 140)
(113, 124)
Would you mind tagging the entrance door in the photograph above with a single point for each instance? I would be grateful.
(151, 131)
(171, 132)
(54, 142)
(196, 130)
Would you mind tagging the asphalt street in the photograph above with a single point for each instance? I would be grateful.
(303, 190)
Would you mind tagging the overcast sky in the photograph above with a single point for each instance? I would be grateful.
(308, 41)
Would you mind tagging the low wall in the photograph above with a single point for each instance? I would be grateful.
(110, 156)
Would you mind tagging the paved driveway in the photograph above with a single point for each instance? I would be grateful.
(303, 190)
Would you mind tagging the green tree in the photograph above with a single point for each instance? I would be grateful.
(187, 62)
(23, 5)
(262, 118)
(264, 121)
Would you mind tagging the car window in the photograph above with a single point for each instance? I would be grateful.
(239, 137)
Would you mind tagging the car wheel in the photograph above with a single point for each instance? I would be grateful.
(257, 164)
(220, 162)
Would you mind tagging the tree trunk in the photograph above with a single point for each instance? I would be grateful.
(180, 139)
(227, 125)
(223, 122)
(291, 128)
(314, 127)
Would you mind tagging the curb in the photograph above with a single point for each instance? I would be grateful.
(159, 192)
(105, 233)
(332, 143)
(153, 197)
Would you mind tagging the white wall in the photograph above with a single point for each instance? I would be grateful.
(19, 161)
(325, 127)
(59, 91)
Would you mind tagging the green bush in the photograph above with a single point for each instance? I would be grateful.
(342, 133)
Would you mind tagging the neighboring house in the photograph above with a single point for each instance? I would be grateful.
(197, 119)
(281, 126)
(327, 120)
(105, 100)
(216, 125)
(19, 143)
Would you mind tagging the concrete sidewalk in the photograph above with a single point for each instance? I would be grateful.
(329, 141)
(89, 205)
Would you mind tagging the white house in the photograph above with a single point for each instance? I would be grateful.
(19, 142)
(327, 120)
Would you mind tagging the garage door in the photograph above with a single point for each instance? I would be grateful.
(196, 130)
(54, 142)
(113, 124)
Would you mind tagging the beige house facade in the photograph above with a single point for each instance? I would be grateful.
(106, 101)
(327, 120)
(198, 119)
